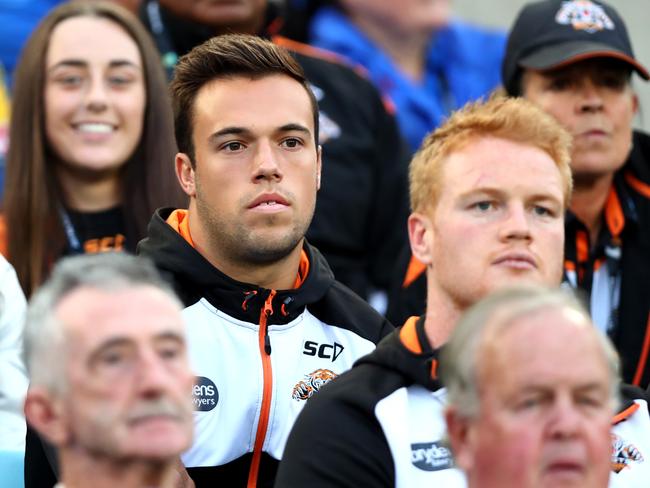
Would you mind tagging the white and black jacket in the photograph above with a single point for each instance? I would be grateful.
(258, 354)
(382, 425)
(379, 425)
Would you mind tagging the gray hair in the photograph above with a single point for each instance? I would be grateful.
(44, 336)
(460, 356)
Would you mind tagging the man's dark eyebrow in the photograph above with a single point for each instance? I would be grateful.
(80, 63)
(228, 131)
(294, 127)
(242, 131)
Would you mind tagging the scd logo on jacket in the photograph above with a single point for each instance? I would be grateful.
(205, 395)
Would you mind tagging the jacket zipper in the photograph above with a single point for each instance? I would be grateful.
(264, 343)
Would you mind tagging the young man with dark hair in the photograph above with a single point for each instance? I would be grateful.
(269, 324)
(360, 216)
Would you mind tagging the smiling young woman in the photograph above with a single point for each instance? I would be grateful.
(92, 147)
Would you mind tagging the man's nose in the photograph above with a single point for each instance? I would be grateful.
(153, 375)
(516, 224)
(266, 164)
(590, 98)
(566, 419)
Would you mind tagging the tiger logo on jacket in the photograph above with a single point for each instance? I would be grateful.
(311, 383)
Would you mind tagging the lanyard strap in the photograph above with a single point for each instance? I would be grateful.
(70, 233)
(163, 42)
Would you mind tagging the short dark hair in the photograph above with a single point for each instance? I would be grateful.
(228, 56)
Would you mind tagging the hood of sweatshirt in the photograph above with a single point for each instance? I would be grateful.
(194, 277)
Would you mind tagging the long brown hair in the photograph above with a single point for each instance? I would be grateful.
(32, 193)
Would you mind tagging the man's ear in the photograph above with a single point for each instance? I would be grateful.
(420, 229)
(185, 174)
(459, 434)
(319, 164)
(45, 412)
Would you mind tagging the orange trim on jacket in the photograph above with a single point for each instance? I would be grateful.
(413, 272)
(619, 417)
(638, 185)
(614, 214)
(409, 336)
(4, 248)
(267, 392)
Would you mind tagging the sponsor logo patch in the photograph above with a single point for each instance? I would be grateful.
(584, 15)
(311, 383)
(323, 351)
(431, 456)
(205, 395)
(623, 454)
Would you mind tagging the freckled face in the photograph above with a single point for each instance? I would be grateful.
(499, 220)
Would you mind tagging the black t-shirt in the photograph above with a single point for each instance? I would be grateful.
(93, 232)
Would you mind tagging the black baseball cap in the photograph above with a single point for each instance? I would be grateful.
(554, 33)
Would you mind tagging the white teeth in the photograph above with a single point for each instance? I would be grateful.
(95, 128)
(271, 202)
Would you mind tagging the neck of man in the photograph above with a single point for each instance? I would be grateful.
(588, 202)
(277, 275)
(88, 192)
(80, 469)
(441, 315)
(407, 49)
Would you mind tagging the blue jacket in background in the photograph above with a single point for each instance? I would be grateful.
(18, 19)
(463, 63)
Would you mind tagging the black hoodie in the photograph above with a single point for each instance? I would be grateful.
(382, 425)
(360, 219)
(258, 354)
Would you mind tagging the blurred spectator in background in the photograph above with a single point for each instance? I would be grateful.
(574, 59)
(13, 377)
(110, 378)
(18, 18)
(427, 63)
(92, 148)
(360, 219)
(4, 125)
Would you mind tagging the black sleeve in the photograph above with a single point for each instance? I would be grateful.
(38, 470)
(335, 443)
